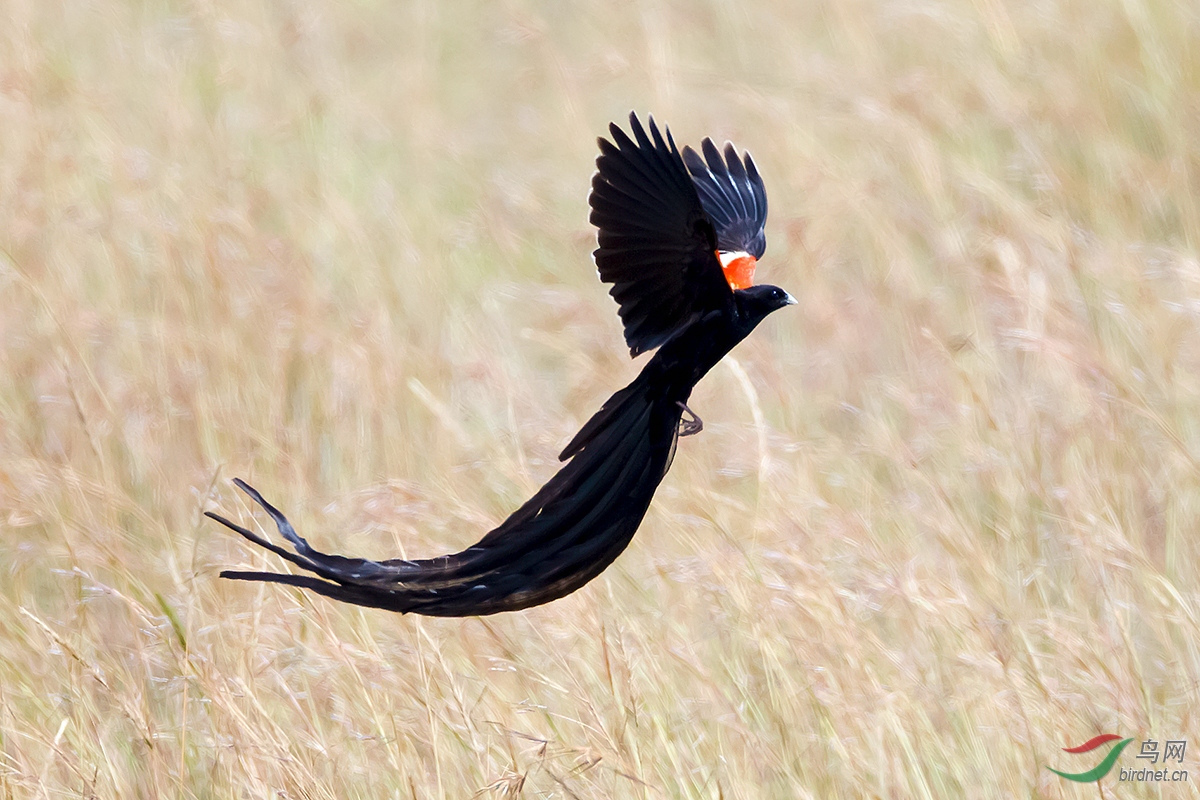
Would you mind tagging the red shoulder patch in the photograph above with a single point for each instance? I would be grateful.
(738, 267)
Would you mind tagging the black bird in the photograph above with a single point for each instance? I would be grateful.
(678, 238)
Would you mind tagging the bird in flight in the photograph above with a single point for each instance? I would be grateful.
(679, 236)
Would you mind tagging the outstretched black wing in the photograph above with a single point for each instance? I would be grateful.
(657, 244)
(733, 196)
(564, 536)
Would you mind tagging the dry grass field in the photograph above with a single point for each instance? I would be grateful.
(943, 518)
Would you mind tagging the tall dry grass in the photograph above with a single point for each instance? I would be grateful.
(941, 523)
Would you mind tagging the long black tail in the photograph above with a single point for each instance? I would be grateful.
(565, 535)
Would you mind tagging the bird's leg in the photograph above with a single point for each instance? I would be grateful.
(688, 427)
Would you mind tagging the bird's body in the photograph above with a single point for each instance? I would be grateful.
(676, 235)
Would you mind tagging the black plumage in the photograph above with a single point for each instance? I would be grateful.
(660, 224)
(733, 196)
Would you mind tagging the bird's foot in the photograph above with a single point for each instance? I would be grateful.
(689, 427)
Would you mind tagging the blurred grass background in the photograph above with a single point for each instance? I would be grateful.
(940, 524)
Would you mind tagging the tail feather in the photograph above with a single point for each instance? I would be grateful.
(564, 536)
(633, 399)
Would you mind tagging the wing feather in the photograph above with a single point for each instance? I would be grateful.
(657, 246)
(733, 196)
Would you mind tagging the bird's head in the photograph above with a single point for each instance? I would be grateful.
(756, 302)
